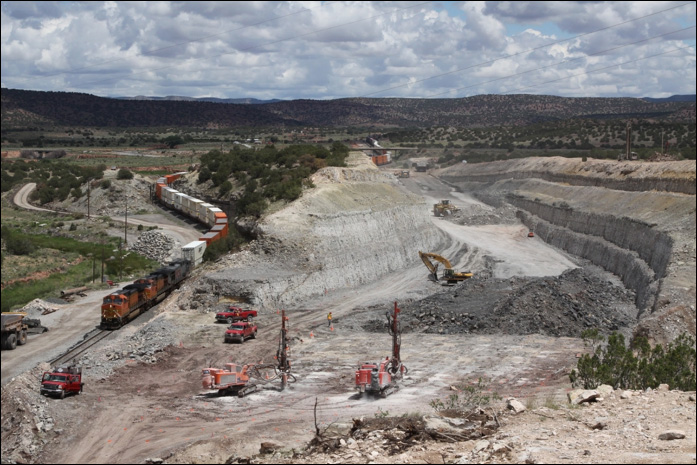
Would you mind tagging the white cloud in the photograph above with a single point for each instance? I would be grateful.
(340, 49)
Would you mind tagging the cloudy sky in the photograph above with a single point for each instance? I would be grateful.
(335, 49)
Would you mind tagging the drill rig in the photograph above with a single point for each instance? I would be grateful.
(379, 378)
(241, 380)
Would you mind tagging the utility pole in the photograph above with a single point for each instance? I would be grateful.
(125, 225)
(629, 141)
(88, 204)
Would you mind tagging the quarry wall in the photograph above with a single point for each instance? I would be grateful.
(619, 217)
(356, 226)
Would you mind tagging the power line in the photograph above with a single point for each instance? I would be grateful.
(601, 69)
(411, 83)
(560, 62)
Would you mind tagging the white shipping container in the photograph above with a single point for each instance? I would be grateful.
(203, 211)
(211, 215)
(178, 203)
(193, 251)
(168, 195)
(186, 204)
(195, 205)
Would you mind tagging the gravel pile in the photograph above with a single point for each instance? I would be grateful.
(154, 245)
(562, 306)
(143, 346)
(478, 215)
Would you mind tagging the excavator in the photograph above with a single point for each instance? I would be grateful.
(449, 275)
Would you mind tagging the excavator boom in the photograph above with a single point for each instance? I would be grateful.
(449, 275)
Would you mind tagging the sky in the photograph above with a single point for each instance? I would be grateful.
(337, 49)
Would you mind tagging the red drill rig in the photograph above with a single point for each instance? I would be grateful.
(379, 378)
(241, 380)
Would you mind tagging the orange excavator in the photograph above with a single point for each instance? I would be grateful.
(449, 275)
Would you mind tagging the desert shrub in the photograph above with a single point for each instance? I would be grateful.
(225, 245)
(225, 188)
(468, 397)
(73, 227)
(17, 244)
(105, 184)
(124, 174)
(638, 366)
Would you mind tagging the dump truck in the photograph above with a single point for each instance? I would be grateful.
(14, 330)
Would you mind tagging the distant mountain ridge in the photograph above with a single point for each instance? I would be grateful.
(178, 98)
(21, 108)
(673, 98)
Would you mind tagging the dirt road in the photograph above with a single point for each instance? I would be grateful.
(66, 327)
(21, 198)
(513, 252)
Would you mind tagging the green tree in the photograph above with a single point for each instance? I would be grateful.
(124, 174)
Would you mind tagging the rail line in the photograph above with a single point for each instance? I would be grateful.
(91, 338)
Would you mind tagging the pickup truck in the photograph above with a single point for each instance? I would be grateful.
(238, 332)
(61, 381)
(233, 314)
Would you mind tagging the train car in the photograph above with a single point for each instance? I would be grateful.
(123, 305)
(210, 237)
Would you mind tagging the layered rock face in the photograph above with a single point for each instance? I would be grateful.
(356, 226)
(636, 221)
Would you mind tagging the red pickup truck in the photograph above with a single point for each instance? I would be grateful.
(233, 314)
(238, 332)
(61, 381)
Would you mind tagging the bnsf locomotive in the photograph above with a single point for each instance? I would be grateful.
(120, 307)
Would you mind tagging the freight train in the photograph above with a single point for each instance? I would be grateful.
(120, 307)
(198, 210)
(123, 305)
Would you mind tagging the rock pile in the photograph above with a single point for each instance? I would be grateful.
(143, 346)
(616, 426)
(154, 245)
(561, 306)
(27, 420)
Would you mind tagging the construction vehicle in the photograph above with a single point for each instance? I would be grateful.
(61, 381)
(449, 275)
(14, 330)
(379, 378)
(444, 208)
(233, 314)
(240, 331)
(403, 174)
(241, 380)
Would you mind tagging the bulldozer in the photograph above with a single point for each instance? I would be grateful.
(444, 208)
(450, 276)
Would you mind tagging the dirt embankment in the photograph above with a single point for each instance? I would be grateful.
(357, 226)
(636, 221)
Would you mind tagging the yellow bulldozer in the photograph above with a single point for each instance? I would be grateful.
(450, 276)
(444, 208)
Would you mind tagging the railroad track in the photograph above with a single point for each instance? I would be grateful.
(91, 338)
